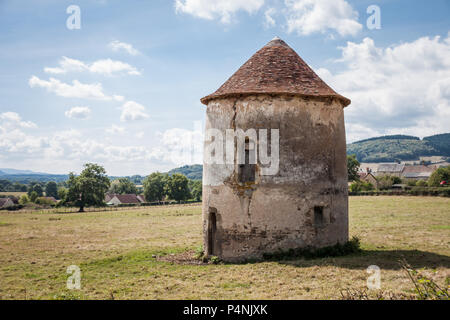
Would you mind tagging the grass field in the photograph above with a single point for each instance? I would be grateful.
(118, 253)
(11, 193)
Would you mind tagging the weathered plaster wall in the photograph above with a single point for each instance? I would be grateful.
(277, 212)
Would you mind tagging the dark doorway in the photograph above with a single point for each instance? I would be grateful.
(212, 228)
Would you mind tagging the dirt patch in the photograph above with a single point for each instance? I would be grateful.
(187, 257)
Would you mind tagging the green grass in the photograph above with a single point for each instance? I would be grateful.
(443, 227)
(119, 254)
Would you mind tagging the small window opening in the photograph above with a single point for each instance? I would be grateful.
(318, 216)
(247, 171)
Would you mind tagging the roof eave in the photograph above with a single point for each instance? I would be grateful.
(205, 100)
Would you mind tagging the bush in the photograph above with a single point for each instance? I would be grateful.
(13, 208)
(424, 289)
(45, 202)
(24, 199)
(386, 182)
(358, 186)
(441, 174)
(421, 183)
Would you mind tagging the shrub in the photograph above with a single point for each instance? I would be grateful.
(214, 260)
(424, 289)
(24, 199)
(199, 253)
(13, 208)
(44, 201)
(358, 186)
(386, 182)
(410, 182)
(421, 183)
(33, 196)
(441, 174)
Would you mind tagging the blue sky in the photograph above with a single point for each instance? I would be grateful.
(124, 90)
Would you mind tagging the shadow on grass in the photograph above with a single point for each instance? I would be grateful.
(385, 259)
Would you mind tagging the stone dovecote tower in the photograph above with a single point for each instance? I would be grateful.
(297, 199)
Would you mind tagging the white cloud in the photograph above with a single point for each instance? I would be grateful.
(312, 16)
(109, 67)
(133, 111)
(76, 90)
(140, 134)
(181, 146)
(217, 9)
(117, 46)
(12, 137)
(67, 150)
(404, 88)
(118, 98)
(62, 145)
(114, 129)
(104, 66)
(13, 120)
(67, 65)
(78, 113)
(269, 21)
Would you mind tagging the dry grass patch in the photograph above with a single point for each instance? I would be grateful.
(129, 254)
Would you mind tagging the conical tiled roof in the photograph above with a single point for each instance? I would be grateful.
(275, 69)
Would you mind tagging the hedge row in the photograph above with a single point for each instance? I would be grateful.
(13, 208)
(418, 191)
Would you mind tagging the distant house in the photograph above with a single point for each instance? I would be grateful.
(123, 199)
(368, 177)
(141, 198)
(420, 172)
(14, 199)
(368, 167)
(6, 202)
(440, 165)
(108, 197)
(389, 169)
(52, 199)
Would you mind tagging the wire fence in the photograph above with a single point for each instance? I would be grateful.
(66, 210)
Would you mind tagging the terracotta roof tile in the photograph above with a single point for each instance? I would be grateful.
(275, 69)
(127, 198)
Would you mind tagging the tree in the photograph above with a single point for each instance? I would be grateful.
(386, 181)
(18, 187)
(177, 187)
(62, 194)
(439, 175)
(352, 168)
(122, 186)
(195, 187)
(358, 186)
(51, 189)
(155, 186)
(36, 187)
(24, 199)
(89, 187)
(33, 196)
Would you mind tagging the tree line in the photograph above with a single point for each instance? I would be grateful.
(91, 185)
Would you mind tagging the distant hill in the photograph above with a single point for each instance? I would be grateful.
(378, 149)
(4, 171)
(400, 148)
(27, 178)
(193, 172)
